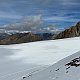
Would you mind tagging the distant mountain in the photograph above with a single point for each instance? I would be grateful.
(20, 38)
(73, 31)
(16, 36)
(45, 36)
(24, 37)
(27, 29)
(3, 36)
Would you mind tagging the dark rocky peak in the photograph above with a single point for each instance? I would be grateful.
(73, 31)
(78, 24)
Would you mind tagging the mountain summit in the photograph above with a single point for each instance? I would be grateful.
(73, 31)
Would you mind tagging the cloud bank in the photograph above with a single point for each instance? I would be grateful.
(33, 24)
(64, 12)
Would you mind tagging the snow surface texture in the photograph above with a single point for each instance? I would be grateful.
(58, 71)
(17, 59)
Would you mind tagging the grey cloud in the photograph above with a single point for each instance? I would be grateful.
(15, 9)
(28, 23)
(31, 23)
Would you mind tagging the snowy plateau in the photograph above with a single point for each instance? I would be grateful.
(41, 60)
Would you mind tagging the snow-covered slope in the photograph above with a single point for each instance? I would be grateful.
(60, 70)
(15, 59)
(43, 52)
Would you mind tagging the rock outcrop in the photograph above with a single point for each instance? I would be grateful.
(73, 31)
(20, 38)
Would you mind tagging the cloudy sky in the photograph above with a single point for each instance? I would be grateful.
(61, 12)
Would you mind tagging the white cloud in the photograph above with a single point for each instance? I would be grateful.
(30, 23)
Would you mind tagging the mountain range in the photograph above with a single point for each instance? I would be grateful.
(24, 37)
(16, 37)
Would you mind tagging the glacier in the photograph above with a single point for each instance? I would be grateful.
(17, 60)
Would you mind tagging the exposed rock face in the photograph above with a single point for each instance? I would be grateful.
(73, 31)
(45, 36)
(20, 38)
(25, 37)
